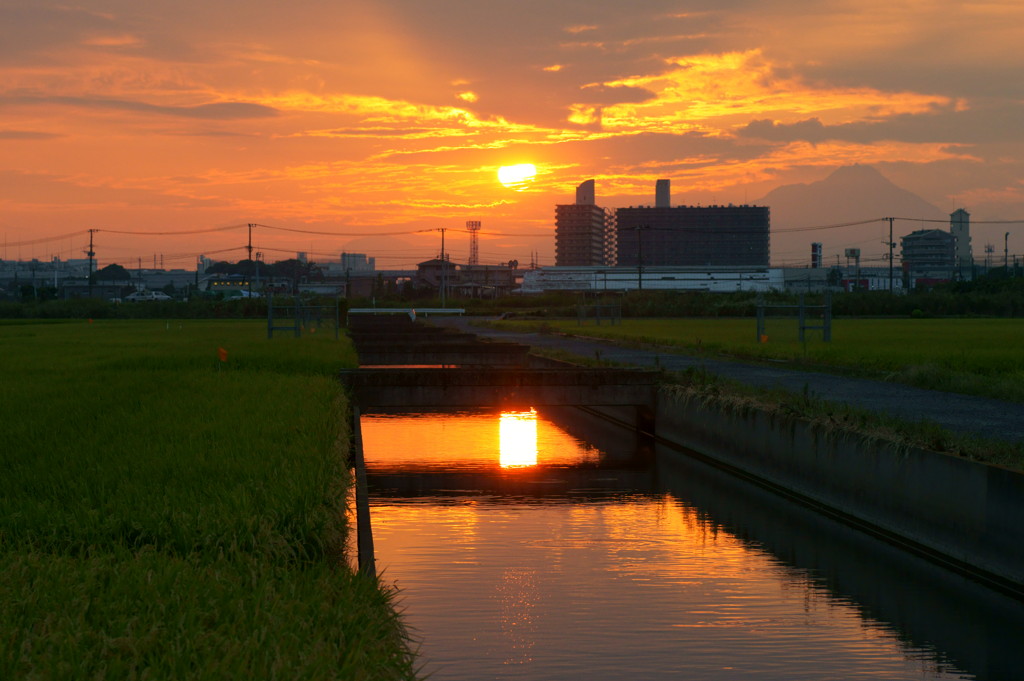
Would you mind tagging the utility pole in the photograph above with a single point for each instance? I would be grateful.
(890, 252)
(444, 269)
(92, 254)
(1006, 252)
(249, 247)
(640, 256)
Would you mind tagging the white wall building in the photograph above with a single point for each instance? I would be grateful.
(720, 279)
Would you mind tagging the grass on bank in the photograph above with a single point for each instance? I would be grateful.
(828, 417)
(166, 514)
(841, 419)
(971, 356)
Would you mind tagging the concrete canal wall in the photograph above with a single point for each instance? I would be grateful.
(967, 514)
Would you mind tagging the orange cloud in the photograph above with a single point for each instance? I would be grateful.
(124, 40)
(714, 93)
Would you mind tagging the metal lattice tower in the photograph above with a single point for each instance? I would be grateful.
(474, 248)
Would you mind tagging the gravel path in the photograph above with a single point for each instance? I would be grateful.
(982, 416)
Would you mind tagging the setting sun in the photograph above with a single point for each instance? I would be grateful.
(517, 176)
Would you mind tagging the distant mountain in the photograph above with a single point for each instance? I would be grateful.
(850, 194)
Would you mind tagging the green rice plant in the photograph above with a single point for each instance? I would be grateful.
(173, 505)
(124, 614)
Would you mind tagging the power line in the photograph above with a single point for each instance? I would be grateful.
(43, 240)
(208, 230)
(821, 227)
(322, 233)
(973, 222)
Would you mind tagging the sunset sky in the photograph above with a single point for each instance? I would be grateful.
(370, 121)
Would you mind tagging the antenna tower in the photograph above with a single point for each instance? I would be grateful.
(473, 226)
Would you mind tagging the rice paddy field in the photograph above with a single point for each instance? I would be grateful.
(973, 356)
(172, 506)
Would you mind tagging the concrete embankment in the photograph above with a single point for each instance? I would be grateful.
(966, 514)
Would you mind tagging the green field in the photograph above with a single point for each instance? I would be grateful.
(165, 514)
(974, 356)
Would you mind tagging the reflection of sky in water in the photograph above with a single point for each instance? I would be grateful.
(637, 586)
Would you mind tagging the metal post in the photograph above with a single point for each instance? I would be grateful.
(760, 321)
(364, 532)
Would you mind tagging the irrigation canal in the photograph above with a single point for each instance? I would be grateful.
(556, 545)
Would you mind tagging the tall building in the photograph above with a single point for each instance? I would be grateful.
(663, 194)
(733, 236)
(584, 231)
(929, 254)
(357, 263)
(960, 228)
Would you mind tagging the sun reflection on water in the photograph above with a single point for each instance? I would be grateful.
(517, 437)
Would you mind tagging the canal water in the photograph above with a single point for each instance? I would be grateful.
(522, 551)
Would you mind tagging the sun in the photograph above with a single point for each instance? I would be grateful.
(517, 176)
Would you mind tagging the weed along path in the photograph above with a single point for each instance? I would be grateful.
(965, 414)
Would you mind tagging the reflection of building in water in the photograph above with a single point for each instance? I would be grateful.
(518, 439)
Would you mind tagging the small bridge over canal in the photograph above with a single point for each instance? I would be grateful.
(410, 364)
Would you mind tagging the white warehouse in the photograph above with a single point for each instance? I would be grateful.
(718, 279)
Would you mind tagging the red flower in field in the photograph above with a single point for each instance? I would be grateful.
(222, 354)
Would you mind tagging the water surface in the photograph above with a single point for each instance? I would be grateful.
(523, 552)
